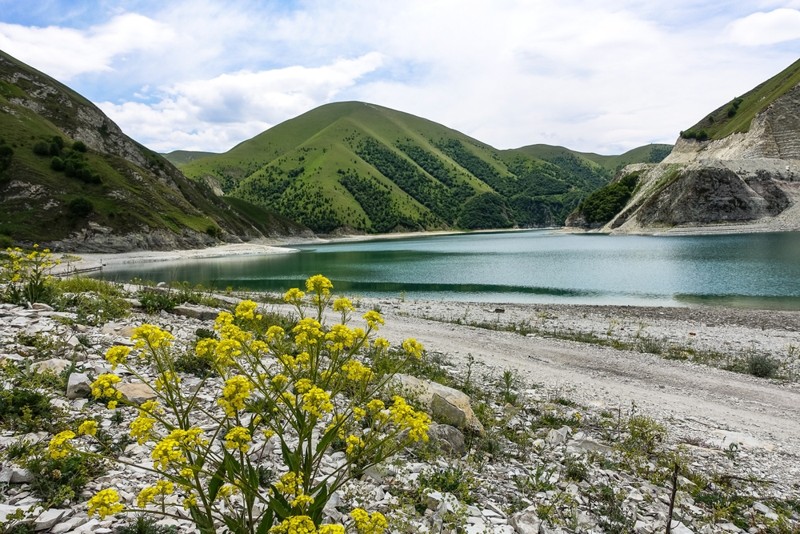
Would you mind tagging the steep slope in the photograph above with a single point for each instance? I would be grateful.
(71, 180)
(359, 166)
(182, 157)
(736, 170)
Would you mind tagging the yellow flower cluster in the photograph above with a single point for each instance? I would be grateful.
(319, 284)
(170, 450)
(142, 428)
(374, 319)
(167, 378)
(275, 333)
(406, 418)
(151, 336)
(307, 332)
(343, 304)
(367, 523)
(59, 446)
(103, 388)
(357, 371)
(105, 503)
(354, 445)
(296, 524)
(294, 296)
(149, 494)
(88, 428)
(117, 355)
(236, 391)
(317, 401)
(238, 439)
(340, 337)
(413, 347)
(246, 309)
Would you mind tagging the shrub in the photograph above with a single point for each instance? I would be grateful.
(57, 481)
(80, 207)
(41, 148)
(57, 164)
(315, 386)
(25, 410)
(761, 365)
(79, 146)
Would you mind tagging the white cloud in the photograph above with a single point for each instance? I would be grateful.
(766, 28)
(593, 76)
(217, 113)
(65, 53)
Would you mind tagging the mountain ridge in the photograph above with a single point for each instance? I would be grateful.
(339, 158)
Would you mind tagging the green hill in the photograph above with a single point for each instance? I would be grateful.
(359, 166)
(652, 153)
(70, 179)
(738, 114)
(182, 157)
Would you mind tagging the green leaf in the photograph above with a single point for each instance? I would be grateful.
(279, 504)
(216, 482)
(320, 500)
(234, 525)
(266, 523)
(291, 460)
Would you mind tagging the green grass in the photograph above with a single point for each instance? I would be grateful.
(732, 117)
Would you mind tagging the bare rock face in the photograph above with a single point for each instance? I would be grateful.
(746, 181)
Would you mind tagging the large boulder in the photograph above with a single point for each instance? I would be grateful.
(447, 405)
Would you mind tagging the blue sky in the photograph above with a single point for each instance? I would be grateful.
(593, 76)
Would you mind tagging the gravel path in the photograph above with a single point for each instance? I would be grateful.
(701, 404)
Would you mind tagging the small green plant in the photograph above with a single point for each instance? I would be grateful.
(761, 365)
(26, 410)
(453, 479)
(575, 469)
(26, 275)
(154, 300)
(57, 481)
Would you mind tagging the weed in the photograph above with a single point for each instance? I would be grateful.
(57, 482)
(453, 479)
(26, 410)
(761, 365)
(508, 384)
(607, 505)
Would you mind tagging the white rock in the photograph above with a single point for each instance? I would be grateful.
(49, 518)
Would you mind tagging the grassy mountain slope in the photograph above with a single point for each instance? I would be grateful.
(738, 114)
(71, 179)
(181, 157)
(365, 167)
(652, 153)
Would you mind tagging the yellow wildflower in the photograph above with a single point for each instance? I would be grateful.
(308, 331)
(301, 501)
(246, 310)
(167, 378)
(88, 428)
(340, 337)
(275, 333)
(357, 371)
(238, 438)
(206, 347)
(413, 347)
(319, 284)
(330, 529)
(150, 493)
(296, 524)
(103, 387)
(151, 336)
(59, 446)
(234, 394)
(366, 523)
(381, 343)
(293, 296)
(354, 445)
(374, 319)
(226, 352)
(317, 401)
(105, 503)
(117, 355)
(141, 428)
(406, 418)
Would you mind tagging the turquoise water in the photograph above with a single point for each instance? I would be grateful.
(761, 270)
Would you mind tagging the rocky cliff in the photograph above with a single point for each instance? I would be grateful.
(747, 180)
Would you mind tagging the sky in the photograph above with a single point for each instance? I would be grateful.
(598, 76)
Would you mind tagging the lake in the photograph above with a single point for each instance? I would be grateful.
(540, 266)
